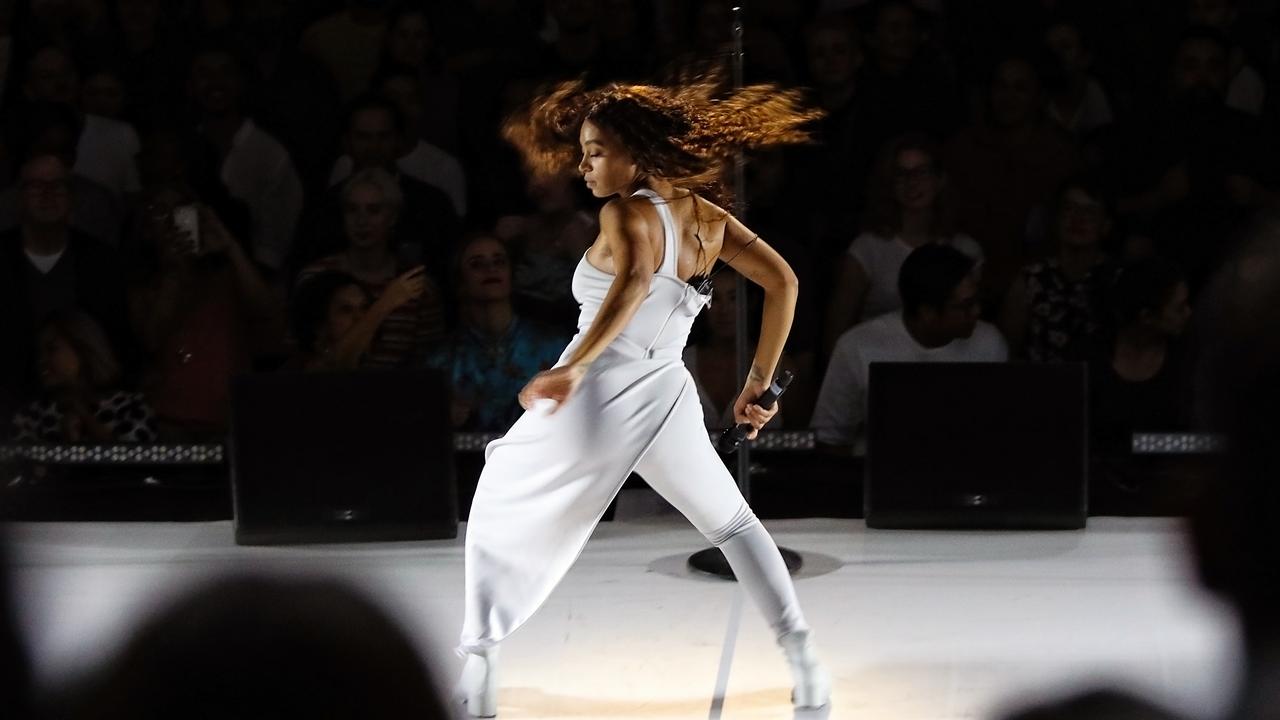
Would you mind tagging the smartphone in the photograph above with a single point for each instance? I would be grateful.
(186, 218)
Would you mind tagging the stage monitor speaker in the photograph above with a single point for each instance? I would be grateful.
(977, 445)
(342, 457)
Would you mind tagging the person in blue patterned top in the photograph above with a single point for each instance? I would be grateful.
(492, 352)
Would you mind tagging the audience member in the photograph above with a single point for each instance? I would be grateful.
(425, 227)
(1192, 171)
(334, 322)
(103, 93)
(826, 179)
(547, 246)
(906, 85)
(494, 351)
(1076, 101)
(906, 208)
(80, 379)
(244, 646)
(50, 129)
(1004, 167)
(106, 147)
(153, 53)
(256, 168)
(1137, 382)
(1056, 307)
(938, 323)
(293, 96)
(46, 265)
(1234, 536)
(1246, 88)
(349, 43)
(371, 203)
(202, 310)
(413, 45)
(422, 161)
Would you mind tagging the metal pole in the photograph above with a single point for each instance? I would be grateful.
(740, 291)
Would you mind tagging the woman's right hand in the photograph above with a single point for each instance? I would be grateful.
(405, 288)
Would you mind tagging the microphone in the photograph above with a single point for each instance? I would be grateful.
(733, 436)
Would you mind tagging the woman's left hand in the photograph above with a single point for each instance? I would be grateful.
(745, 409)
(555, 384)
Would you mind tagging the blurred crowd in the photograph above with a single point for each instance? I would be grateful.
(198, 189)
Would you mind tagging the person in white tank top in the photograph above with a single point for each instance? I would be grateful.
(620, 398)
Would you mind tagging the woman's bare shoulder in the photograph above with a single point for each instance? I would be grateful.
(709, 211)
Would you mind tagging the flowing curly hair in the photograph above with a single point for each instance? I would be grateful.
(686, 132)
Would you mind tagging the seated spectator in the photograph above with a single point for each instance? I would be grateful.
(907, 208)
(938, 323)
(255, 168)
(1246, 87)
(248, 647)
(106, 147)
(81, 400)
(103, 93)
(46, 265)
(1004, 167)
(493, 352)
(293, 96)
(712, 358)
(1056, 307)
(202, 310)
(1076, 101)
(1235, 540)
(349, 43)
(422, 161)
(153, 50)
(1137, 382)
(426, 225)
(826, 180)
(906, 84)
(414, 44)
(371, 203)
(547, 246)
(1192, 170)
(334, 322)
(50, 129)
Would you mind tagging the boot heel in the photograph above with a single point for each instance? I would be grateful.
(812, 687)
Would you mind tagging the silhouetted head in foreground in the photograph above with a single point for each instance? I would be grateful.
(246, 647)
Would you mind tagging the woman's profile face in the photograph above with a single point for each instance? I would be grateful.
(606, 166)
(345, 308)
(367, 217)
(58, 362)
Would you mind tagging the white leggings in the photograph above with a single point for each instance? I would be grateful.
(547, 483)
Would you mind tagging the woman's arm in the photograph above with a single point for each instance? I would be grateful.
(352, 346)
(623, 230)
(762, 265)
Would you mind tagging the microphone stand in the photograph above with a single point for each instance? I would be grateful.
(711, 560)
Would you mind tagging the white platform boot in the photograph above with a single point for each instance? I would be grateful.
(477, 689)
(812, 681)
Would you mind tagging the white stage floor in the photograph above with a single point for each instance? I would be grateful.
(935, 625)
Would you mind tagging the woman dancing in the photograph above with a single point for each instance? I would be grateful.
(620, 398)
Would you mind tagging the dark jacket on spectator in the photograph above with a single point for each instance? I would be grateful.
(93, 275)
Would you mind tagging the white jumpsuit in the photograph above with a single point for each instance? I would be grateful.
(546, 484)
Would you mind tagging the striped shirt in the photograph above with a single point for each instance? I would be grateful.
(408, 333)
